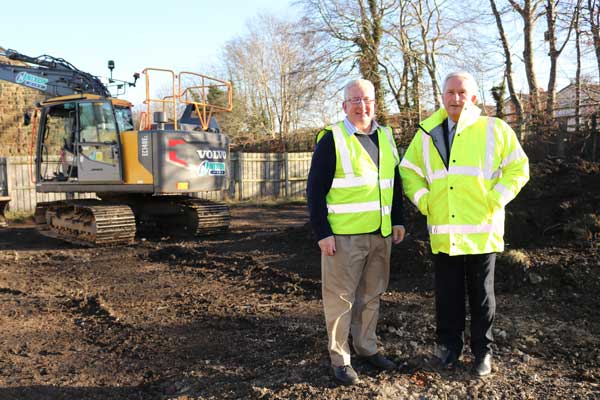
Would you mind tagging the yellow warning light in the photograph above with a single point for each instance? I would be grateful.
(183, 185)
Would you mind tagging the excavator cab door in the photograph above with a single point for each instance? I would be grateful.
(98, 158)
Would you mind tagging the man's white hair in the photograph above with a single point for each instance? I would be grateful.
(464, 75)
(357, 82)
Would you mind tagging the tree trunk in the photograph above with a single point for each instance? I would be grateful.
(578, 71)
(555, 51)
(516, 101)
(368, 62)
(553, 54)
(429, 50)
(594, 21)
(528, 14)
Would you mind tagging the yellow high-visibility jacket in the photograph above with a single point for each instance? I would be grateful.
(464, 202)
(360, 198)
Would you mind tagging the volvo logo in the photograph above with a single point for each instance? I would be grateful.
(212, 154)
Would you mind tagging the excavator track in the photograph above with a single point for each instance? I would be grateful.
(181, 216)
(208, 217)
(86, 222)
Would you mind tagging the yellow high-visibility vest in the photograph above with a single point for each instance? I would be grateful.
(360, 198)
(464, 203)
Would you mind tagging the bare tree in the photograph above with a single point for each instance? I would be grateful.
(356, 27)
(429, 17)
(398, 70)
(552, 16)
(530, 11)
(508, 69)
(593, 19)
(578, 70)
(274, 83)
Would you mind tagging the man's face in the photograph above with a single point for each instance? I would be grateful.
(362, 113)
(456, 94)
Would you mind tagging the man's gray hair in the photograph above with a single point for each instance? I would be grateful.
(464, 75)
(357, 82)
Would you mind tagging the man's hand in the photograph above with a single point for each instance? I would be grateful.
(327, 245)
(398, 233)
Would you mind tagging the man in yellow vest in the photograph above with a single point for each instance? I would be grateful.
(355, 202)
(460, 170)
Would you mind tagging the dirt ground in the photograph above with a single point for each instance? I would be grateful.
(238, 316)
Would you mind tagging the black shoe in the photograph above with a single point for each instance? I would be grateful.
(483, 365)
(449, 358)
(380, 362)
(345, 375)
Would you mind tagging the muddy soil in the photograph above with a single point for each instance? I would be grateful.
(238, 315)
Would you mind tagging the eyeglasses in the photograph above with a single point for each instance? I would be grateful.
(358, 100)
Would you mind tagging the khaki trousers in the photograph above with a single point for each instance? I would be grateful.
(352, 282)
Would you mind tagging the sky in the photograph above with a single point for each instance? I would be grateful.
(173, 34)
(181, 36)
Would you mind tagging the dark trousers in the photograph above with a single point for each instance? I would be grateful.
(450, 274)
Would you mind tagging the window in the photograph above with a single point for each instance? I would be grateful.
(97, 123)
(124, 118)
(97, 129)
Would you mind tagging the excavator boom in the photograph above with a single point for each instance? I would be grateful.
(51, 75)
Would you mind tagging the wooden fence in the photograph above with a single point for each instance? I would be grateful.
(252, 176)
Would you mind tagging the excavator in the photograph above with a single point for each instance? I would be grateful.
(145, 178)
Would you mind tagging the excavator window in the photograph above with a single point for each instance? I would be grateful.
(124, 118)
(96, 122)
(97, 127)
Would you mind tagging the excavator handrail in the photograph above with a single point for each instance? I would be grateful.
(148, 101)
(204, 87)
(184, 95)
(180, 94)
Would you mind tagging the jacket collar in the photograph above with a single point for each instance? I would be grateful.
(468, 117)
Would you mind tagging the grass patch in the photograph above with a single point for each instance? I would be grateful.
(516, 258)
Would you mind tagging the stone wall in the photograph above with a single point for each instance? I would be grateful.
(15, 100)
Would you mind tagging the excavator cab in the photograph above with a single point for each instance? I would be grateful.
(78, 141)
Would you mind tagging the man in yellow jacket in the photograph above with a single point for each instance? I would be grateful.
(460, 170)
(355, 202)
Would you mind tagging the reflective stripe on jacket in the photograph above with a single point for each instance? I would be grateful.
(360, 198)
(464, 203)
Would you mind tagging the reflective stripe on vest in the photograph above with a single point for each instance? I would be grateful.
(464, 229)
(353, 207)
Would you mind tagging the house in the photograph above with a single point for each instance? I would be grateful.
(564, 109)
(510, 109)
(589, 104)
